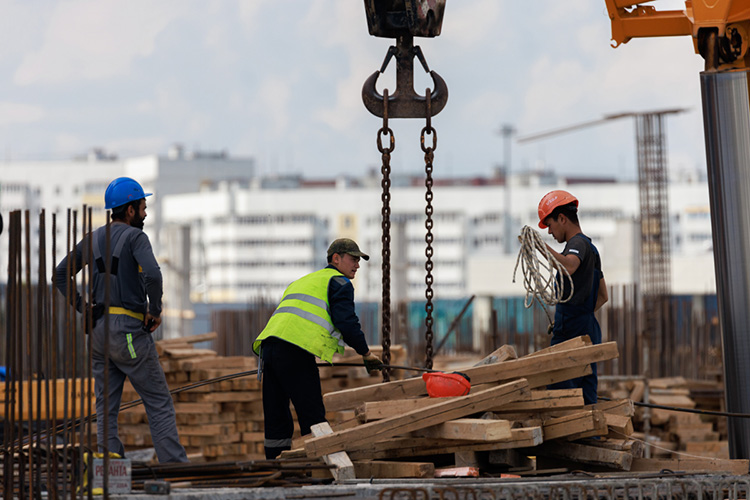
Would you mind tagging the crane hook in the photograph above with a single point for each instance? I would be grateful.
(404, 102)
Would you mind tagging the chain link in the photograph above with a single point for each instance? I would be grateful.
(428, 158)
(386, 234)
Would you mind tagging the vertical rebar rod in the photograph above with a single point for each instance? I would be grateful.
(66, 363)
(10, 363)
(29, 350)
(107, 270)
(89, 374)
(75, 444)
(85, 308)
(21, 365)
(53, 356)
(43, 378)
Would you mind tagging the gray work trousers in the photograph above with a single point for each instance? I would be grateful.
(132, 354)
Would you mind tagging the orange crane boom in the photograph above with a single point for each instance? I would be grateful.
(729, 20)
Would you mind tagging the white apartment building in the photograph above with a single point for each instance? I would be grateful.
(251, 240)
(223, 235)
(57, 186)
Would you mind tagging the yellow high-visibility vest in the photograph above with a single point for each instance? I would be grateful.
(304, 319)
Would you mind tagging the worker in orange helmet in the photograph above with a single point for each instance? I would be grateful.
(558, 213)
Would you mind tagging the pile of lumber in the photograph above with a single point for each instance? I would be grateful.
(507, 418)
(674, 433)
(509, 422)
(223, 420)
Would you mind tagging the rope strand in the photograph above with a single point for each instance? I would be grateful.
(543, 278)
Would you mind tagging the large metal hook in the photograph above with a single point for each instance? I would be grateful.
(404, 102)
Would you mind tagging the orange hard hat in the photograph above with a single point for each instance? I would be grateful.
(551, 201)
(446, 385)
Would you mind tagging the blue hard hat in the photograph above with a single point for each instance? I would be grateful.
(121, 191)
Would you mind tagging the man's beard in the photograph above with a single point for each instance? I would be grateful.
(137, 222)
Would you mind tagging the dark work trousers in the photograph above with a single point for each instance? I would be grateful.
(132, 355)
(289, 373)
(576, 327)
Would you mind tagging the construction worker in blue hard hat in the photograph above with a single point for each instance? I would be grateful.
(135, 291)
(315, 318)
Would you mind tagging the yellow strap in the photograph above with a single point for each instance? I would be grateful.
(122, 310)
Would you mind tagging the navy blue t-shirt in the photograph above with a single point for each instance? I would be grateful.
(583, 278)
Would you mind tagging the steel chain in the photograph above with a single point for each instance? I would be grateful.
(428, 158)
(386, 237)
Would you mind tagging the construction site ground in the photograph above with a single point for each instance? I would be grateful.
(580, 485)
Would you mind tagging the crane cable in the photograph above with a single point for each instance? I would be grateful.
(543, 278)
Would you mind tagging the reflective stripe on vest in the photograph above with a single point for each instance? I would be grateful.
(303, 317)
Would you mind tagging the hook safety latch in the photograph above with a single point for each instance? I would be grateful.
(404, 102)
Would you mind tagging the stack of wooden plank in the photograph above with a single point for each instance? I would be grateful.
(675, 433)
(396, 420)
(394, 430)
(224, 420)
(508, 417)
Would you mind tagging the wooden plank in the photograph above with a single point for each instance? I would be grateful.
(411, 447)
(79, 387)
(502, 353)
(178, 352)
(588, 422)
(189, 339)
(574, 343)
(378, 410)
(544, 379)
(498, 372)
(229, 397)
(343, 466)
(678, 401)
(415, 447)
(613, 459)
(206, 429)
(715, 449)
(468, 429)
(241, 363)
(540, 400)
(635, 447)
(546, 400)
(379, 469)
(638, 390)
(441, 411)
(732, 467)
(623, 407)
(667, 382)
(622, 426)
(209, 408)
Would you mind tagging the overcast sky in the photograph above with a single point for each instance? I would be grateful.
(280, 80)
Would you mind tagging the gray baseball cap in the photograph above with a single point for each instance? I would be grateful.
(345, 245)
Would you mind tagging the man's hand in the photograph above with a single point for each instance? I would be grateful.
(372, 362)
(151, 323)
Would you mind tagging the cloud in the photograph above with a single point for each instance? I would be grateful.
(272, 105)
(14, 113)
(90, 40)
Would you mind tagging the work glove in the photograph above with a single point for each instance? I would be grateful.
(372, 363)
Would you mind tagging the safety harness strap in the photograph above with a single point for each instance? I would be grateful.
(121, 240)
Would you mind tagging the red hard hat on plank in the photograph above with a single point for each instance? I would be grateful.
(446, 385)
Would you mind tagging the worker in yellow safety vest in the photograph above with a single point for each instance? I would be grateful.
(316, 317)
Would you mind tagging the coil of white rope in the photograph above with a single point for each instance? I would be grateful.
(543, 278)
